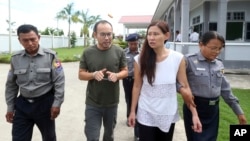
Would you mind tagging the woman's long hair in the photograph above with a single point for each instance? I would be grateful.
(148, 56)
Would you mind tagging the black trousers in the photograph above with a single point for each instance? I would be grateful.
(208, 111)
(28, 114)
(147, 133)
(128, 87)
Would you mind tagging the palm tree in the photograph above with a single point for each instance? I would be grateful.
(88, 22)
(67, 14)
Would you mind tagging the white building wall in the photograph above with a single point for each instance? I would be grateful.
(196, 12)
(213, 12)
(240, 6)
(45, 41)
(231, 7)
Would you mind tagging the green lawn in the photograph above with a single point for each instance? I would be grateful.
(69, 54)
(227, 116)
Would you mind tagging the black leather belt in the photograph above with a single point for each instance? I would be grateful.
(34, 99)
(130, 77)
(208, 101)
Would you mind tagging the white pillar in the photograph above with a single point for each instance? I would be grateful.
(185, 9)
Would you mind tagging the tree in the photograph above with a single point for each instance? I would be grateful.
(142, 33)
(73, 39)
(88, 22)
(50, 31)
(67, 14)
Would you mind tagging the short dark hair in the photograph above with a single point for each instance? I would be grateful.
(206, 37)
(26, 28)
(101, 22)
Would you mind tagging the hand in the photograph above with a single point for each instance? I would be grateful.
(131, 120)
(54, 112)
(242, 119)
(112, 76)
(197, 126)
(99, 75)
(9, 117)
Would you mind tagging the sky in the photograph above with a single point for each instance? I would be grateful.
(41, 13)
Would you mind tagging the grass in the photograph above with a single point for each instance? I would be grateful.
(227, 116)
(69, 54)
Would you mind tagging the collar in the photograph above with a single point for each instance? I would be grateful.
(202, 58)
(40, 52)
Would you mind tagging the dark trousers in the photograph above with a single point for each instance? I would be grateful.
(94, 117)
(128, 87)
(28, 114)
(209, 117)
(147, 133)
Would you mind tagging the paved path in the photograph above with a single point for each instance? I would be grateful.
(70, 122)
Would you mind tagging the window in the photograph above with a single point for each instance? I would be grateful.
(228, 16)
(213, 26)
(196, 20)
(236, 16)
(248, 31)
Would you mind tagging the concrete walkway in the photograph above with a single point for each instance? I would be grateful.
(70, 122)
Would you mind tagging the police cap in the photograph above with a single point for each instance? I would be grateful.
(132, 37)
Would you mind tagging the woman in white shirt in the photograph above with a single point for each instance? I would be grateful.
(156, 70)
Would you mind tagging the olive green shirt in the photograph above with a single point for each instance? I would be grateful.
(103, 93)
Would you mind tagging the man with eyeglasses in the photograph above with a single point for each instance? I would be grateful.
(131, 51)
(102, 65)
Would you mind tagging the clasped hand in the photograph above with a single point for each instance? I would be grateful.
(99, 75)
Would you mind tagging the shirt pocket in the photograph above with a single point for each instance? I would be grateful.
(43, 74)
(201, 78)
(219, 77)
(21, 74)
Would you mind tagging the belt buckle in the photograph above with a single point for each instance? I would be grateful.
(212, 102)
(31, 100)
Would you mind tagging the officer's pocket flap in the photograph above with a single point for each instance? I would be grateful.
(43, 70)
(20, 71)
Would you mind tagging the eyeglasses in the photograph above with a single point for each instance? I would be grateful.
(102, 34)
(215, 49)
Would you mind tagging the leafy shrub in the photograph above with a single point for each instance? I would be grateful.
(5, 58)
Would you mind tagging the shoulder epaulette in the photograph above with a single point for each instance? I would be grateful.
(190, 54)
(49, 51)
(17, 53)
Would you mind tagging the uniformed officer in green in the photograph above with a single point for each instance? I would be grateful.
(34, 88)
(205, 73)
